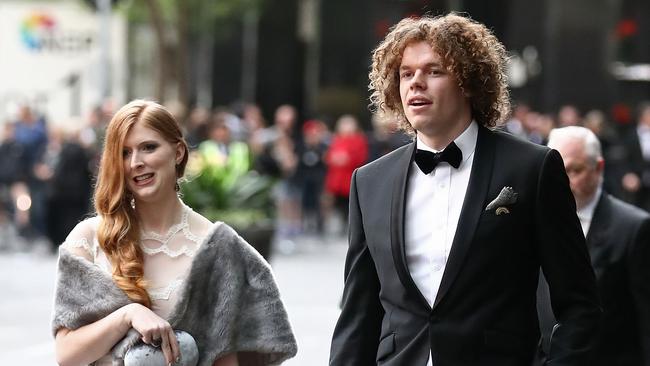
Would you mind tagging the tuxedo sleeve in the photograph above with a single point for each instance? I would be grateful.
(566, 265)
(356, 335)
(639, 272)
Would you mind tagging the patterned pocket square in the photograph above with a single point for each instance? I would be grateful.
(507, 196)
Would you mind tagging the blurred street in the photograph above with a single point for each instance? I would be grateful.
(310, 280)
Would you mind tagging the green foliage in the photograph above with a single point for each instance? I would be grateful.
(226, 189)
(135, 11)
(204, 16)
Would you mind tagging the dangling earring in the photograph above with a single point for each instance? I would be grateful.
(132, 203)
(177, 187)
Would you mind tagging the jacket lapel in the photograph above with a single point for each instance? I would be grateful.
(398, 202)
(475, 197)
(599, 225)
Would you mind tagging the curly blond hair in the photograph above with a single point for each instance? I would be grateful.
(468, 50)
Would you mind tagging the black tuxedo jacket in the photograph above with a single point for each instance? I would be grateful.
(619, 245)
(485, 310)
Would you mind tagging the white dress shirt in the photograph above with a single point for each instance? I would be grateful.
(644, 140)
(586, 213)
(433, 205)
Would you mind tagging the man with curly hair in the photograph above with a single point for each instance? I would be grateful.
(448, 233)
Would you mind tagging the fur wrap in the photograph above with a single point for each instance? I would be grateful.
(229, 302)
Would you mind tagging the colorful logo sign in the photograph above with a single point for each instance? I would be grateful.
(35, 28)
(43, 33)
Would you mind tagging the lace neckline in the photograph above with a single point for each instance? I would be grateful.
(151, 235)
(184, 227)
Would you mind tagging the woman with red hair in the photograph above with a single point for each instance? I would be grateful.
(148, 267)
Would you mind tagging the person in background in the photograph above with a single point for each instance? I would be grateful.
(540, 125)
(618, 239)
(516, 123)
(384, 137)
(613, 153)
(219, 144)
(347, 152)
(91, 135)
(636, 177)
(11, 161)
(278, 159)
(236, 125)
(257, 134)
(12, 175)
(220, 150)
(568, 115)
(31, 134)
(197, 125)
(310, 174)
(69, 182)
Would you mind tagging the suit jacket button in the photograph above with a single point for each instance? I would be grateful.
(434, 319)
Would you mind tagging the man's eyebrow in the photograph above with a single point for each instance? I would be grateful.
(428, 65)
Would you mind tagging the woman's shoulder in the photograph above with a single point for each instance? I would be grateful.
(232, 247)
(82, 239)
(222, 238)
(199, 228)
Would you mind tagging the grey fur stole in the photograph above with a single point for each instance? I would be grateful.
(229, 302)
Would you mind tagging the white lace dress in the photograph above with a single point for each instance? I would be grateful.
(167, 257)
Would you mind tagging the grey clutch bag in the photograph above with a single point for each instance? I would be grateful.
(144, 354)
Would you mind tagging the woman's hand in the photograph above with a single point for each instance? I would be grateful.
(155, 330)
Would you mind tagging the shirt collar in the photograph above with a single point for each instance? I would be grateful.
(643, 129)
(587, 212)
(466, 141)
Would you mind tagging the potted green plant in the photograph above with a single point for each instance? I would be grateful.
(225, 188)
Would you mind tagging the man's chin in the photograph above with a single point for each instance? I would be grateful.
(419, 122)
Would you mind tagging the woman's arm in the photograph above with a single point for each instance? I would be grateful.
(227, 360)
(90, 342)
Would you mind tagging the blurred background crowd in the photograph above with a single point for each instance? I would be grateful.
(48, 172)
(273, 98)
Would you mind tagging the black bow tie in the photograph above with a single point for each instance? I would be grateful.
(427, 160)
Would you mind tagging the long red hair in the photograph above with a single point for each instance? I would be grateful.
(118, 233)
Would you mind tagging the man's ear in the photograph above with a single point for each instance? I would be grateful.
(600, 165)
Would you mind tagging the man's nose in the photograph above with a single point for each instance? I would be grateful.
(417, 82)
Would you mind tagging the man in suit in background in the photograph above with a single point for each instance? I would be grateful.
(636, 179)
(448, 233)
(618, 240)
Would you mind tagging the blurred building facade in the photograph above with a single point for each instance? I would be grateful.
(60, 57)
(590, 53)
(315, 54)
